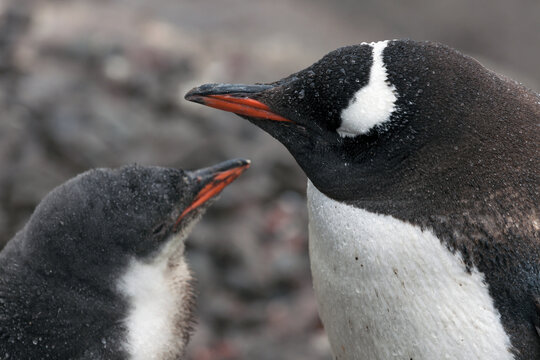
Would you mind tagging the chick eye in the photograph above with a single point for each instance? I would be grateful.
(158, 229)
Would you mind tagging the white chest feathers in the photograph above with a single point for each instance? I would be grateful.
(159, 295)
(388, 290)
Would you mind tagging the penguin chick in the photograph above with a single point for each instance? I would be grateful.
(98, 272)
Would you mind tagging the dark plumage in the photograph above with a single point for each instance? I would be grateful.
(60, 276)
(458, 155)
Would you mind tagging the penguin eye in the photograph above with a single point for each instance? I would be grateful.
(158, 229)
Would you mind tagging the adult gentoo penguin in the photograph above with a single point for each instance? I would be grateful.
(423, 198)
(98, 272)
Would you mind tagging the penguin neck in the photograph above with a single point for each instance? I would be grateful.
(351, 169)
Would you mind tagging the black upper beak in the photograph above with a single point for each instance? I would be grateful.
(207, 175)
(235, 98)
(224, 89)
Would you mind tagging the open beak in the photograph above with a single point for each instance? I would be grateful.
(235, 98)
(212, 180)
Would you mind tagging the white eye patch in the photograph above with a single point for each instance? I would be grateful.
(373, 104)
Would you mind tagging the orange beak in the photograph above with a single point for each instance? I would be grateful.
(234, 98)
(215, 179)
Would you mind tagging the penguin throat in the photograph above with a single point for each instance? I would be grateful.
(160, 300)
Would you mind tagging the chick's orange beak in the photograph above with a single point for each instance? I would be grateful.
(213, 180)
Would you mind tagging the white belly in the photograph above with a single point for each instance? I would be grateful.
(388, 290)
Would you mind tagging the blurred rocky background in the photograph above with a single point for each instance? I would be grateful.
(100, 83)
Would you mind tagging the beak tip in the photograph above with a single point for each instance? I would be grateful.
(194, 98)
(245, 164)
(194, 94)
(201, 91)
(240, 165)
